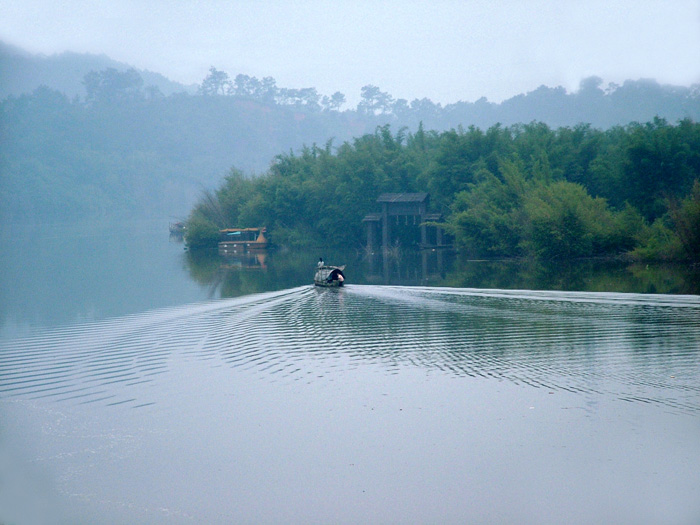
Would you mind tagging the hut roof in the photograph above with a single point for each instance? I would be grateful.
(403, 197)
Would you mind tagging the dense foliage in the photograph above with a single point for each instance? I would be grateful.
(123, 143)
(523, 190)
(125, 150)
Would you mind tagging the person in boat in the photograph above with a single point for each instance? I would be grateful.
(335, 275)
(320, 262)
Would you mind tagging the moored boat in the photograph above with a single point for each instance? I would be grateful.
(177, 229)
(242, 239)
(330, 276)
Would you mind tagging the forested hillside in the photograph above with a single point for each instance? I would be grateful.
(22, 72)
(129, 143)
(125, 151)
(522, 190)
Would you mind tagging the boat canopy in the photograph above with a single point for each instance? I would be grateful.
(330, 273)
(243, 234)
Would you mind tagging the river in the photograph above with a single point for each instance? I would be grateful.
(139, 384)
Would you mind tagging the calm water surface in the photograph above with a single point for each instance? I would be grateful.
(154, 400)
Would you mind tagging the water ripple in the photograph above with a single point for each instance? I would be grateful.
(631, 347)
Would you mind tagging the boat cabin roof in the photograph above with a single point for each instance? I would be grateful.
(241, 230)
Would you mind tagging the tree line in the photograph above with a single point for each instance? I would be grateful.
(594, 102)
(524, 190)
(600, 104)
(123, 148)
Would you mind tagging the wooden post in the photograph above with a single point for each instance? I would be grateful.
(385, 226)
(370, 236)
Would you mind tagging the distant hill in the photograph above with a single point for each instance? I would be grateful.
(70, 152)
(595, 103)
(23, 72)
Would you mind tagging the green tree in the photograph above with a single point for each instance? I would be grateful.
(563, 221)
(374, 101)
(486, 220)
(658, 242)
(216, 83)
(334, 102)
(685, 216)
(661, 163)
(201, 234)
(268, 89)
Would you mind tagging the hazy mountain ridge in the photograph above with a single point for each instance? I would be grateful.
(594, 103)
(67, 154)
(23, 72)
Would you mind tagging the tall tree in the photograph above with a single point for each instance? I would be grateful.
(374, 101)
(686, 219)
(335, 102)
(215, 83)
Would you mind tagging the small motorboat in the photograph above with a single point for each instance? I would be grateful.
(330, 276)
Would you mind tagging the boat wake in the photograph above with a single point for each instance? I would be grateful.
(636, 348)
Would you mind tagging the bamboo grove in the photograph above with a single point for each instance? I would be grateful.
(516, 191)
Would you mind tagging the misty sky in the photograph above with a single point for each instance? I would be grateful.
(445, 50)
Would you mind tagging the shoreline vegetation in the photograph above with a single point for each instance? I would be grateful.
(523, 191)
(625, 183)
(120, 142)
(239, 274)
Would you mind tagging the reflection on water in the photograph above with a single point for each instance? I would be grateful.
(475, 393)
(409, 268)
(67, 273)
(60, 274)
(366, 404)
(585, 276)
(237, 275)
(632, 347)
